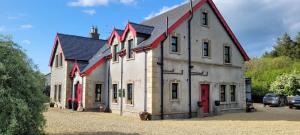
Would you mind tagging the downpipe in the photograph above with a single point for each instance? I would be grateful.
(189, 60)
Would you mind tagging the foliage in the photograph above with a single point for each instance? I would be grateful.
(21, 98)
(264, 71)
(286, 47)
(287, 84)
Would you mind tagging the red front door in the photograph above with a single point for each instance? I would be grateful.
(78, 92)
(205, 97)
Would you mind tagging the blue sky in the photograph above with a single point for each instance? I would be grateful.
(34, 23)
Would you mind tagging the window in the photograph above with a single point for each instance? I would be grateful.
(55, 92)
(227, 54)
(56, 61)
(115, 93)
(130, 45)
(115, 55)
(174, 91)
(204, 18)
(174, 44)
(129, 93)
(59, 93)
(223, 93)
(206, 48)
(98, 92)
(60, 60)
(232, 93)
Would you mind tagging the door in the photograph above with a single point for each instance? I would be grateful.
(205, 97)
(78, 92)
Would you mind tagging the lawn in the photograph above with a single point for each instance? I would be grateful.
(264, 121)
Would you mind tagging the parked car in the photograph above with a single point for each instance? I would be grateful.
(294, 102)
(272, 99)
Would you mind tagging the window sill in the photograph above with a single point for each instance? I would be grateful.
(114, 62)
(206, 57)
(175, 53)
(174, 100)
(205, 26)
(130, 59)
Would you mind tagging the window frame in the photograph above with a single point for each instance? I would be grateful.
(208, 48)
(56, 60)
(98, 92)
(55, 93)
(233, 93)
(130, 44)
(173, 44)
(115, 53)
(129, 93)
(60, 59)
(223, 94)
(59, 92)
(227, 54)
(204, 18)
(177, 91)
(115, 93)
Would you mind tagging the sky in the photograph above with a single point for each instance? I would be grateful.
(34, 23)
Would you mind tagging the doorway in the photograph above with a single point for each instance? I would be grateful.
(204, 98)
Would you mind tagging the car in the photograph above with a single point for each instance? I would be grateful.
(272, 99)
(294, 102)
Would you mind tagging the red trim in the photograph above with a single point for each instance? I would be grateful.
(127, 29)
(114, 34)
(156, 42)
(122, 37)
(56, 43)
(91, 69)
(75, 68)
(228, 30)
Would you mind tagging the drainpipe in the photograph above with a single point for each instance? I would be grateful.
(108, 83)
(189, 60)
(145, 98)
(162, 72)
(121, 106)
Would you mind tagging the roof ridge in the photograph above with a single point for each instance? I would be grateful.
(179, 5)
(81, 37)
(141, 24)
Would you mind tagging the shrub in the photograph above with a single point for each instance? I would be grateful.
(21, 86)
(287, 85)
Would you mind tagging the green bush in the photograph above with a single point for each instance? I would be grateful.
(21, 98)
(287, 84)
(264, 71)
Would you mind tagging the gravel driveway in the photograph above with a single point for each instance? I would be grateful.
(277, 120)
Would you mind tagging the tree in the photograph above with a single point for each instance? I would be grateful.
(285, 46)
(21, 98)
(264, 71)
(287, 84)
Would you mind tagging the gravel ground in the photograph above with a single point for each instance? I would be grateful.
(277, 120)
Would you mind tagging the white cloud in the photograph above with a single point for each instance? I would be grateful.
(127, 1)
(92, 3)
(2, 28)
(26, 26)
(88, 3)
(90, 12)
(163, 10)
(257, 23)
(26, 42)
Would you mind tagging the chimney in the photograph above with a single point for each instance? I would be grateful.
(94, 33)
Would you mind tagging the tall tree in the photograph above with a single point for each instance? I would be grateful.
(297, 46)
(21, 98)
(284, 46)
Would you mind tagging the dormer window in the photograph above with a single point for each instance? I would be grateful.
(174, 44)
(115, 55)
(204, 18)
(130, 51)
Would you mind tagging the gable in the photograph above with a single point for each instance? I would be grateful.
(160, 33)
